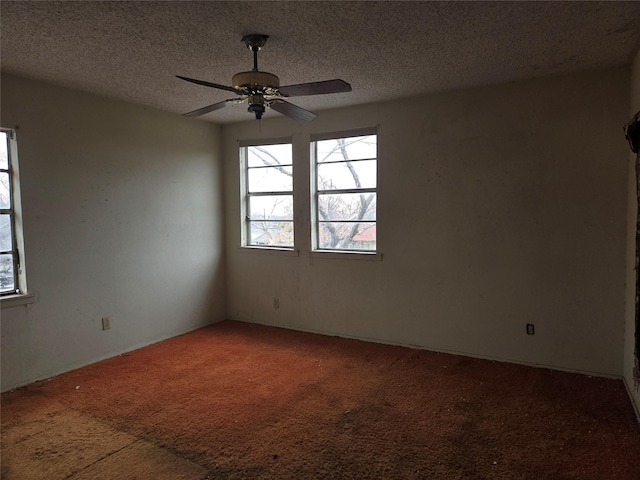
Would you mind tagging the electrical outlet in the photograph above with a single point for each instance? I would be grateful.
(276, 302)
(106, 323)
(530, 329)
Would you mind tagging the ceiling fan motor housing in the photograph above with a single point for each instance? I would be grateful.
(255, 79)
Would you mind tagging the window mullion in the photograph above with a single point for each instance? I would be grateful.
(346, 190)
(347, 221)
(326, 162)
(271, 166)
(269, 194)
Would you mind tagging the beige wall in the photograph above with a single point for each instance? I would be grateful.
(123, 214)
(497, 207)
(631, 248)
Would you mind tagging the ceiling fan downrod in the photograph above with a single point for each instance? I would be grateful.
(255, 42)
(257, 82)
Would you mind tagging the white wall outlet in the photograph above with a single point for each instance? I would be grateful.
(106, 323)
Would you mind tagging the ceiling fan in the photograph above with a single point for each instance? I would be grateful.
(262, 89)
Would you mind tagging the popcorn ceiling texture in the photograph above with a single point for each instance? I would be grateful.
(386, 50)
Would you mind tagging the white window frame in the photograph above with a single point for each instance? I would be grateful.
(245, 194)
(315, 192)
(20, 295)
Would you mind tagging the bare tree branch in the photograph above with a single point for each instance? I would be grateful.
(346, 143)
(275, 163)
(332, 230)
(353, 229)
(345, 155)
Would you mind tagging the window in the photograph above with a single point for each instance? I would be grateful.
(344, 179)
(12, 279)
(268, 195)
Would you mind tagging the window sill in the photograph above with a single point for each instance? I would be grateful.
(346, 255)
(288, 252)
(17, 300)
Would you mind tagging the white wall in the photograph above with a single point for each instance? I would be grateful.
(497, 207)
(630, 327)
(123, 214)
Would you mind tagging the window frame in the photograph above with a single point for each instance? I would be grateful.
(19, 295)
(246, 195)
(316, 250)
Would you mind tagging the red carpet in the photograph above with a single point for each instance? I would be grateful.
(242, 401)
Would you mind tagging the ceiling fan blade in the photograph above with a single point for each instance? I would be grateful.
(210, 108)
(315, 88)
(292, 111)
(209, 84)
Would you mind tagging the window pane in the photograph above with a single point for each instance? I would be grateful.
(5, 232)
(360, 174)
(271, 179)
(4, 153)
(271, 207)
(275, 234)
(353, 148)
(347, 206)
(5, 189)
(347, 236)
(269, 155)
(7, 279)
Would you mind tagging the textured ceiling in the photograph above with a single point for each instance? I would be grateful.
(386, 50)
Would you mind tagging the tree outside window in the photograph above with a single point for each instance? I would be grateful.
(268, 177)
(345, 194)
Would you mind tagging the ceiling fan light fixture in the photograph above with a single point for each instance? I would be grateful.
(256, 105)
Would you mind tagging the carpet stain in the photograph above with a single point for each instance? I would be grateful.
(243, 401)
